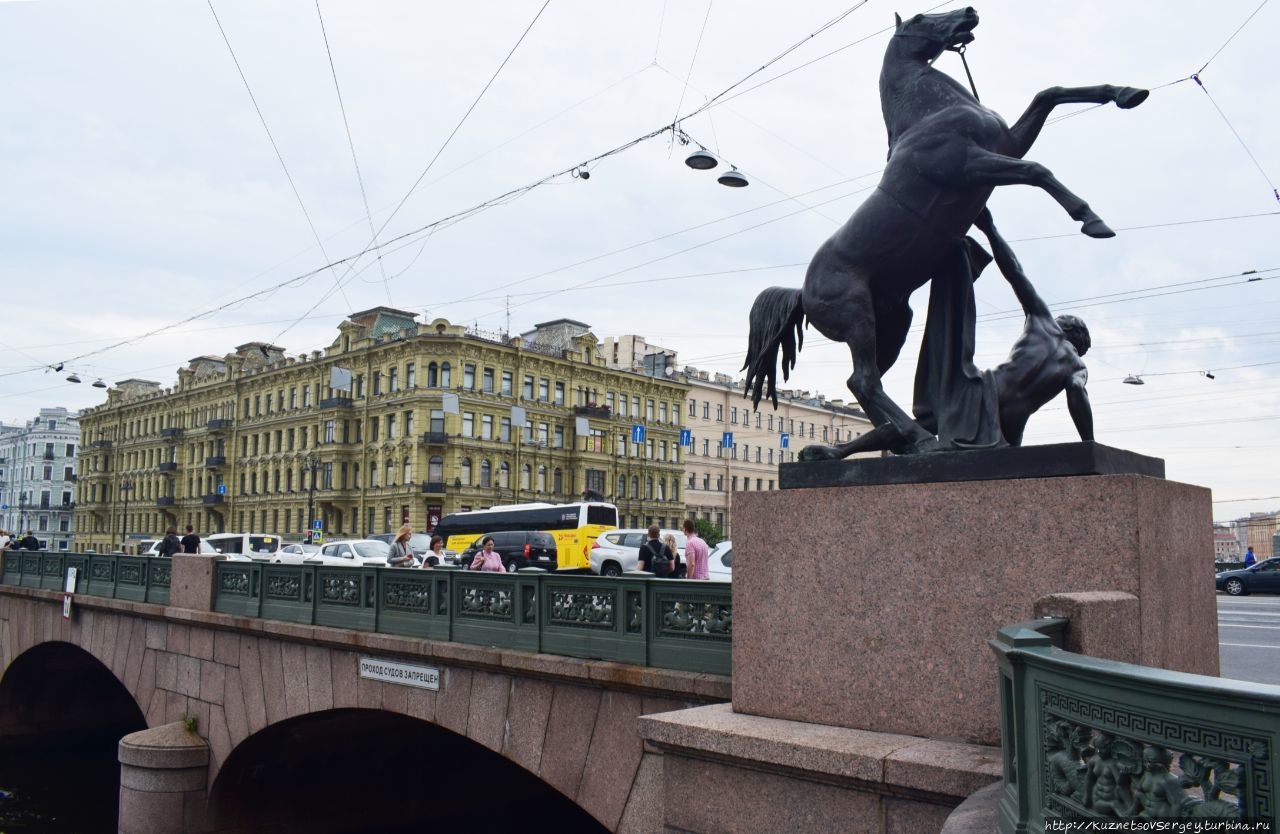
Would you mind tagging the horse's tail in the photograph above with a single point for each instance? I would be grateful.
(777, 321)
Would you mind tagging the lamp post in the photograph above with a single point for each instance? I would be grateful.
(126, 487)
(311, 465)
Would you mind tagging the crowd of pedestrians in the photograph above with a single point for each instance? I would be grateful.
(10, 541)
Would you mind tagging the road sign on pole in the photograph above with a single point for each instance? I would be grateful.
(317, 524)
(637, 433)
(686, 437)
(726, 440)
(786, 440)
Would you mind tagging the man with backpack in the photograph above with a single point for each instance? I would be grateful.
(171, 544)
(654, 556)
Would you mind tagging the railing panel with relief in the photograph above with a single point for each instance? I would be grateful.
(116, 575)
(1090, 740)
(673, 624)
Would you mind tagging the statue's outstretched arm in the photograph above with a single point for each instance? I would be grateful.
(1078, 404)
(1011, 269)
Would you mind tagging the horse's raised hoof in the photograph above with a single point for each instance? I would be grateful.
(1096, 228)
(820, 452)
(1129, 97)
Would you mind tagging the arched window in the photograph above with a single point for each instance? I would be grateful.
(435, 469)
(675, 490)
(635, 487)
(466, 472)
(557, 481)
(525, 473)
(408, 472)
(486, 473)
(648, 489)
(433, 375)
(446, 379)
(662, 489)
(504, 475)
(542, 477)
(622, 487)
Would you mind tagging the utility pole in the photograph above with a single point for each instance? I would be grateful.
(126, 487)
(311, 465)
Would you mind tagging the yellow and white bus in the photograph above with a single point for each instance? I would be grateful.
(575, 527)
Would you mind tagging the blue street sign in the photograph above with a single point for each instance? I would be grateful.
(317, 524)
(4, 506)
(786, 440)
(727, 440)
(222, 489)
(686, 437)
(637, 433)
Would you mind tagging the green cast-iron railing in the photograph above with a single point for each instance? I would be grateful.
(1098, 741)
(116, 575)
(671, 624)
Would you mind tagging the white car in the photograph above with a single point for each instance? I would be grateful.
(206, 549)
(295, 553)
(615, 552)
(351, 553)
(720, 562)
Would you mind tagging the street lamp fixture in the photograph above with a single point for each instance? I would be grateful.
(126, 487)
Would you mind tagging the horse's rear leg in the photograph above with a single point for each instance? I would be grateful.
(984, 168)
(1027, 128)
(868, 389)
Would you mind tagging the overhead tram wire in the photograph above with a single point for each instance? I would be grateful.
(373, 241)
(494, 201)
(346, 124)
(279, 156)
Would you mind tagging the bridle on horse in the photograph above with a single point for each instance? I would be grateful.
(960, 50)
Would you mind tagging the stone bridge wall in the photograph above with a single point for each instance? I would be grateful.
(570, 722)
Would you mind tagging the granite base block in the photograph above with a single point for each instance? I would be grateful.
(870, 607)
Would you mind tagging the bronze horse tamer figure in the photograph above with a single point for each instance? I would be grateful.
(947, 153)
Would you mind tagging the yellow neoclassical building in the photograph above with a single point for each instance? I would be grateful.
(397, 421)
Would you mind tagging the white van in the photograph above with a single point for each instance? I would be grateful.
(245, 544)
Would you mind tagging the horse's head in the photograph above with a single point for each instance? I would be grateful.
(928, 35)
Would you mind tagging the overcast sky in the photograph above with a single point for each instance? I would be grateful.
(142, 191)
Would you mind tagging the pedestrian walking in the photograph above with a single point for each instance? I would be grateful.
(1249, 558)
(677, 565)
(171, 544)
(190, 542)
(696, 553)
(654, 556)
(401, 552)
(436, 556)
(4, 540)
(487, 558)
(29, 542)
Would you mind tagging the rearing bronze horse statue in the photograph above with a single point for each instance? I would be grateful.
(947, 153)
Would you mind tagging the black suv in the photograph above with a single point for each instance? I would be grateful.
(518, 549)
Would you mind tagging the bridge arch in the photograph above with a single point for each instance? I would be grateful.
(373, 770)
(62, 713)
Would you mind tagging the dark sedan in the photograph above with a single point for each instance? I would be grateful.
(1263, 578)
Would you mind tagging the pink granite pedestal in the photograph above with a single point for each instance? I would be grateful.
(870, 607)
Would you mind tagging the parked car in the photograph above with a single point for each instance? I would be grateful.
(295, 553)
(352, 553)
(518, 549)
(1264, 577)
(615, 552)
(720, 562)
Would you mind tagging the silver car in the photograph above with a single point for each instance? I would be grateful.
(615, 552)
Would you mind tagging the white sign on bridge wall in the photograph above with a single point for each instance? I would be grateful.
(405, 674)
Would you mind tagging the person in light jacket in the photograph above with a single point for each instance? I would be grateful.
(488, 559)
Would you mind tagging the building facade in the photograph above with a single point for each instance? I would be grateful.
(1258, 530)
(736, 448)
(38, 475)
(395, 422)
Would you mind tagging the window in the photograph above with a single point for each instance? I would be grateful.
(504, 475)
(706, 447)
(293, 398)
(635, 405)
(720, 413)
(437, 423)
(408, 426)
(468, 424)
(706, 411)
(504, 430)
(608, 400)
(306, 396)
(446, 375)
(486, 381)
(393, 380)
(559, 439)
(528, 387)
(391, 427)
(435, 469)
(506, 383)
(377, 383)
(559, 394)
(622, 404)
(433, 375)
(469, 377)
(373, 429)
(486, 473)
(410, 376)
(486, 427)
(648, 410)
(693, 408)
(465, 471)
(544, 389)
(662, 412)
(71, 450)
(328, 432)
